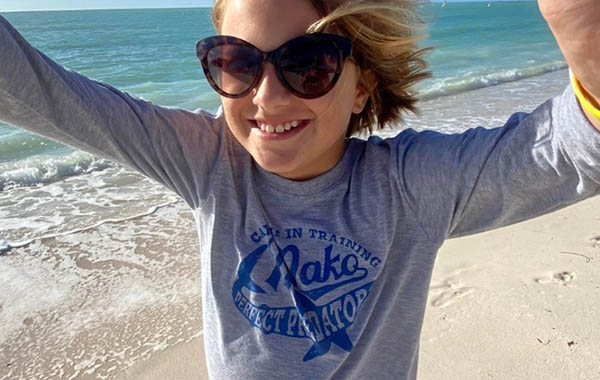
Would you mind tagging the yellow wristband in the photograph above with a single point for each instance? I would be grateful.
(583, 99)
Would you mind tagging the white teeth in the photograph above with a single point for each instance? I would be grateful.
(280, 128)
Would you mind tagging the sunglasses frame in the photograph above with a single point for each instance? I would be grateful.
(342, 44)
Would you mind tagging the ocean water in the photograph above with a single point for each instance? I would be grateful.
(98, 265)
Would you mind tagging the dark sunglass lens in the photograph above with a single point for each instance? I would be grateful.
(233, 68)
(310, 66)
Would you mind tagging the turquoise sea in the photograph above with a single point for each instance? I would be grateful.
(98, 265)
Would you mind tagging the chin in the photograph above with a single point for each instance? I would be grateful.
(277, 168)
(278, 164)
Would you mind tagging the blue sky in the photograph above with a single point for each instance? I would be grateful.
(29, 5)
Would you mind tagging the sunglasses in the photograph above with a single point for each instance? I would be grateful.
(308, 66)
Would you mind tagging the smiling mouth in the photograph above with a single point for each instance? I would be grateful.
(279, 128)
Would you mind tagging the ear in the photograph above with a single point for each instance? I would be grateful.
(359, 100)
(365, 84)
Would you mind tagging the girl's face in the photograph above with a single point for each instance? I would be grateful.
(317, 143)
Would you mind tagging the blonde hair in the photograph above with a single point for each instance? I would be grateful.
(385, 35)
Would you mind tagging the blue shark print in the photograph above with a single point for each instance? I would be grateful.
(323, 324)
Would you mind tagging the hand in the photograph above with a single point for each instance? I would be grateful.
(576, 27)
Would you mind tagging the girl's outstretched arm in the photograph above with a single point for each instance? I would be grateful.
(576, 27)
(177, 148)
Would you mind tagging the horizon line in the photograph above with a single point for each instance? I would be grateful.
(197, 7)
(96, 9)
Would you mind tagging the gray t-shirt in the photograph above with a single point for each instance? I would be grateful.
(325, 278)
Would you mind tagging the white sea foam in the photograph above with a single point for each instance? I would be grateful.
(474, 80)
(27, 291)
(92, 302)
(43, 169)
(77, 203)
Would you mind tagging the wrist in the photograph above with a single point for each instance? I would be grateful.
(588, 102)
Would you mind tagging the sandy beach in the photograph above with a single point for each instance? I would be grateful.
(521, 302)
(515, 303)
(183, 361)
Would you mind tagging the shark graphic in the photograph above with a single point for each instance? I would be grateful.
(324, 324)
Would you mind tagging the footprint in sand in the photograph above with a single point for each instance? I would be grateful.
(448, 292)
(562, 278)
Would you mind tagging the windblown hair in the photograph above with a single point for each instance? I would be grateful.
(385, 35)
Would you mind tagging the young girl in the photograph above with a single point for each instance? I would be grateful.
(317, 249)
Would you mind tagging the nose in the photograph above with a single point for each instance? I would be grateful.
(270, 93)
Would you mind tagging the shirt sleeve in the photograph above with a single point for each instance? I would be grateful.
(487, 178)
(175, 147)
